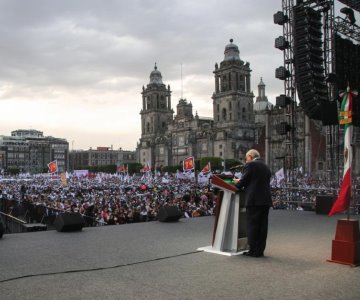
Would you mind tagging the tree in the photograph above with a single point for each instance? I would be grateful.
(217, 163)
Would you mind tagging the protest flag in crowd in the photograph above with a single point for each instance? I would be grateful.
(188, 163)
(146, 167)
(280, 175)
(345, 118)
(206, 168)
(53, 166)
(63, 179)
(122, 169)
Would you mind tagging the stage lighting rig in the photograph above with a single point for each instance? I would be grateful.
(282, 73)
(282, 128)
(281, 43)
(283, 100)
(349, 14)
(280, 18)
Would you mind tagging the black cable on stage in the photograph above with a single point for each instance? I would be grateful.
(100, 268)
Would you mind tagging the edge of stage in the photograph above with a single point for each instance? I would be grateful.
(160, 261)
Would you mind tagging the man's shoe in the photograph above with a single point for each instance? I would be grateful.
(252, 254)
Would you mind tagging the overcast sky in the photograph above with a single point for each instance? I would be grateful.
(74, 69)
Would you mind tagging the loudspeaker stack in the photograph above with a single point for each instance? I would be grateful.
(169, 214)
(66, 222)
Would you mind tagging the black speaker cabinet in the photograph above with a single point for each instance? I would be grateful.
(66, 222)
(324, 204)
(31, 227)
(169, 214)
(1, 228)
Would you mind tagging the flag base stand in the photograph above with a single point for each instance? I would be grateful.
(346, 245)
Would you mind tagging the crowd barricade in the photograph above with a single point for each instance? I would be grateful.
(27, 212)
(11, 223)
(304, 198)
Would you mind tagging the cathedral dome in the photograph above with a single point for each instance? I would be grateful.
(262, 102)
(155, 76)
(263, 105)
(231, 52)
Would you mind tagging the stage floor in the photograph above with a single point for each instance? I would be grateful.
(159, 261)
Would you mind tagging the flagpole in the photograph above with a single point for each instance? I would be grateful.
(351, 186)
(196, 179)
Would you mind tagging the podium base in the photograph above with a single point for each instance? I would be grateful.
(346, 245)
(211, 249)
(343, 263)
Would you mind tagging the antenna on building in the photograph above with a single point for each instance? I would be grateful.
(181, 82)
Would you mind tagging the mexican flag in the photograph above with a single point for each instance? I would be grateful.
(206, 169)
(343, 200)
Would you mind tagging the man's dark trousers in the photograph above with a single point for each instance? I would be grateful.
(257, 228)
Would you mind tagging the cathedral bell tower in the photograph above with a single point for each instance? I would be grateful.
(233, 106)
(156, 113)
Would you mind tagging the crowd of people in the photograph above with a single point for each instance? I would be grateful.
(108, 199)
(116, 199)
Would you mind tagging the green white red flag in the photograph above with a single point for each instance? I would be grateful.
(206, 169)
(343, 200)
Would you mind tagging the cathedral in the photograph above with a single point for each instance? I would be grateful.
(167, 139)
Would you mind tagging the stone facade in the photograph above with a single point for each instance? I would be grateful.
(101, 156)
(167, 139)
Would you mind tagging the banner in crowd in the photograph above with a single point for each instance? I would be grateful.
(122, 169)
(188, 163)
(185, 175)
(53, 166)
(81, 173)
(203, 178)
(343, 200)
(63, 178)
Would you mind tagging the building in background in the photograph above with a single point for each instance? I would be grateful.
(101, 156)
(271, 129)
(167, 139)
(29, 151)
(238, 124)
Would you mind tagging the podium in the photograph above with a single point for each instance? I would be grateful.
(229, 232)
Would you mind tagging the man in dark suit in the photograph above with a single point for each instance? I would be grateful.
(255, 180)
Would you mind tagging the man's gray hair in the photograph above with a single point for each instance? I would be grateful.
(253, 153)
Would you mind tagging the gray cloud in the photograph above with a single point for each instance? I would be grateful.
(93, 47)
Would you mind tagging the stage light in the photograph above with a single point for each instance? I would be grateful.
(309, 60)
(281, 43)
(282, 128)
(349, 14)
(283, 100)
(331, 78)
(280, 18)
(282, 73)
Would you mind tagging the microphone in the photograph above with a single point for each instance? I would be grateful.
(236, 167)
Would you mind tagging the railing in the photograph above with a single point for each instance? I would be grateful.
(12, 224)
(17, 215)
(293, 198)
